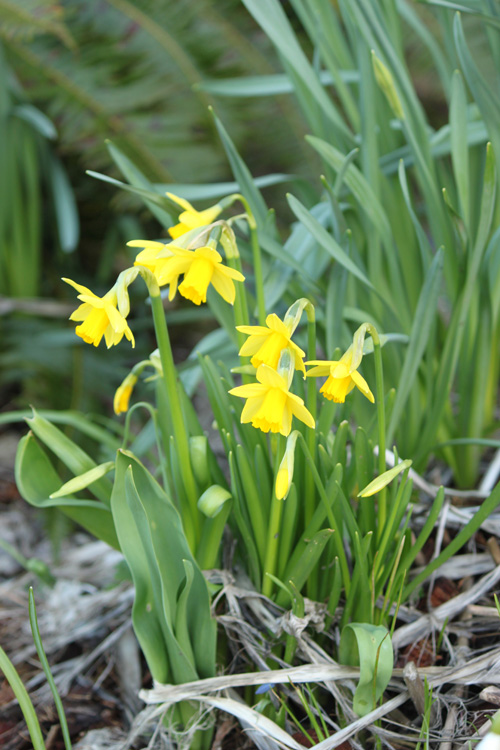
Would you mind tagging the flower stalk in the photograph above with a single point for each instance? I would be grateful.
(179, 428)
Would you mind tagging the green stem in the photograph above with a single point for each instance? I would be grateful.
(274, 529)
(379, 390)
(174, 401)
(311, 403)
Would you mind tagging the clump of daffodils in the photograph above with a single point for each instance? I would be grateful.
(190, 264)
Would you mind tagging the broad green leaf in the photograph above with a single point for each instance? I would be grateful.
(370, 648)
(170, 549)
(146, 610)
(68, 452)
(37, 479)
(326, 240)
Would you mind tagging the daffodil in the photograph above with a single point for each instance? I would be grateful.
(156, 256)
(270, 406)
(267, 342)
(201, 267)
(99, 316)
(190, 218)
(342, 378)
(123, 393)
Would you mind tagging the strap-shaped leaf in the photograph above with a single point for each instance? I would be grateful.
(370, 648)
(159, 532)
(74, 457)
(326, 240)
(37, 479)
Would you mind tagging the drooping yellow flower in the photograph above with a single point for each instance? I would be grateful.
(270, 406)
(190, 218)
(156, 256)
(267, 342)
(342, 378)
(123, 393)
(201, 267)
(99, 317)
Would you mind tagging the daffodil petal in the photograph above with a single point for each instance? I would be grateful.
(275, 324)
(251, 408)
(269, 377)
(146, 244)
(319, 371)
(79, 287)
(300, 411)
(363, 386)
(249, 390)
(180, 202)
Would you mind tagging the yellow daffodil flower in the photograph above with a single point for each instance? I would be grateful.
(267, 342)
(123, 393)
(156, 256)
(190, 218)
(99, 317)
(270, 405)
(201, 267)
(342, 378)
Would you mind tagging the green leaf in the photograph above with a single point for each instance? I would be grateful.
(267, 85)
(459, 146)
(68, 452)
(419, 337)
(370, 648)
(68, 223)
(359, 186)
(83, 480)
(37, 479)
(302, 569)
(326, 240)
(271, 17)
(242, 175)
(480, 88)
(138, 180)
(164, 542)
